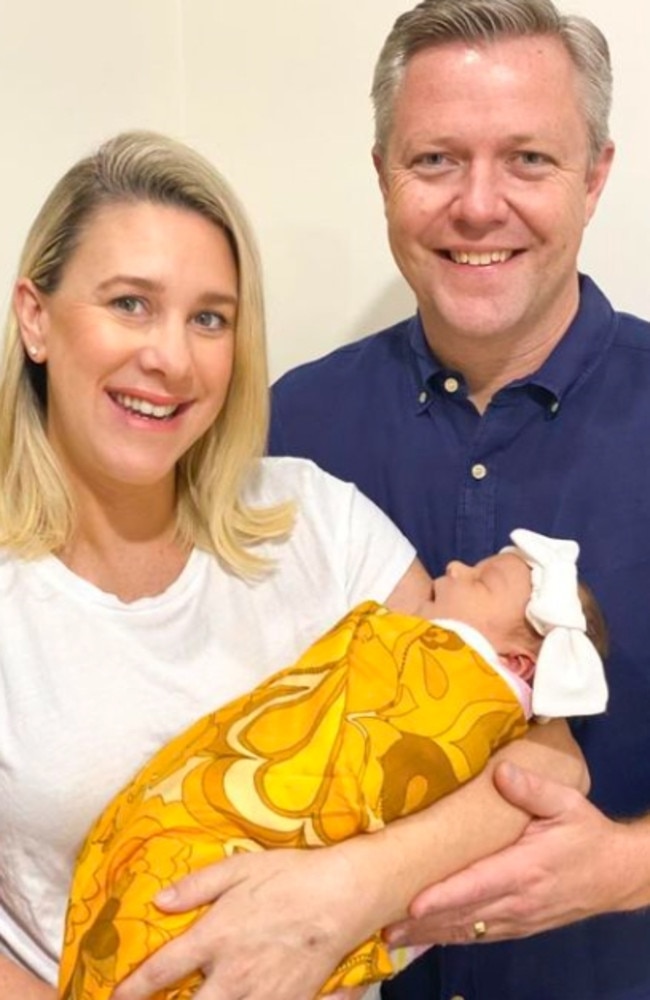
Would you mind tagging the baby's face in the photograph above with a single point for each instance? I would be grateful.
(492, 596)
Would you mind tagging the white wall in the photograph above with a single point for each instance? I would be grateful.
(277, 95)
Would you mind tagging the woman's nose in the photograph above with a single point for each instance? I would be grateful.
(167, 351)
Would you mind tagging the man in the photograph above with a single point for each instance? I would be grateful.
(515, 397)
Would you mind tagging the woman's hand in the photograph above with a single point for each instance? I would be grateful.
(280, 922)
(571, 862)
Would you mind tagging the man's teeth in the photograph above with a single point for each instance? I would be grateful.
(144, 407)
(477, 259)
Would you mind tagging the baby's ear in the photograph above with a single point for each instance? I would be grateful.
(520, 662)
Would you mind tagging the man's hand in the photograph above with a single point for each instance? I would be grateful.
(571, 862)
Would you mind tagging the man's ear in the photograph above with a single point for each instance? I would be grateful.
(378, 160)
(32, 319)
(597, 178)
(520, 662)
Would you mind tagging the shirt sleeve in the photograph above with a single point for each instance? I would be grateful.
(378, 554)
(367, 554)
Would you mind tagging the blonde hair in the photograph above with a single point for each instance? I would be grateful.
(36, 509)
(438, 22)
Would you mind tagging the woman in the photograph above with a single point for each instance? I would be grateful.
(152, 567)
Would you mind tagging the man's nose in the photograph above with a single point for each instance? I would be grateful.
(481, 198)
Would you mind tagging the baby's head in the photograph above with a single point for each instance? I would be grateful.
(492, 596)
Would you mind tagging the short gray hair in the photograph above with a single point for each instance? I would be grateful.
(437, 22)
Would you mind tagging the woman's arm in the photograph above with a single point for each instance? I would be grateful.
(412, 591)
(284, 919)
(17, 984)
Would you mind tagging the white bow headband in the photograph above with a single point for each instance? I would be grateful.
(569, 677)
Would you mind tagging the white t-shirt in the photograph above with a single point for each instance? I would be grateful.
(91, 687)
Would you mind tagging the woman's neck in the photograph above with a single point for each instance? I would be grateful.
(125, 543)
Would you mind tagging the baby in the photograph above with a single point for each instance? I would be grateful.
(382, 716)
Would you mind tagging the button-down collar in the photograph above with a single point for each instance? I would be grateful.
(571, 361)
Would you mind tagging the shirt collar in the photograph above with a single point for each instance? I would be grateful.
(571, 361)
(581, 348)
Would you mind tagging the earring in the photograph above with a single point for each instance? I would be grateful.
(33, 351)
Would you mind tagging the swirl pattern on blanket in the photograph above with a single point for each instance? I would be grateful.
(382, 716)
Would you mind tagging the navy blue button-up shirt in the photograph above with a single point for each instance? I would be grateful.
(565, 451)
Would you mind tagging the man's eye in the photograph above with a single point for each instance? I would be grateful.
(532, 159)
(431, 160)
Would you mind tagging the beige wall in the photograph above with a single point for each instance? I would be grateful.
(71, 73)
(277, 95)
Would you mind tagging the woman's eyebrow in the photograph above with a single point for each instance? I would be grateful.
(146, 284)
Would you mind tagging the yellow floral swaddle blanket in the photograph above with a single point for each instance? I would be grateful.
(379, 718)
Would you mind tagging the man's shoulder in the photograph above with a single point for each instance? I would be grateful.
(323, 408)
(632, 332)
(377, 354)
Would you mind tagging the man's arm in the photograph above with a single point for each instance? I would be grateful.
(475, 821)
(546, 878)
(16, 984)
(571, 863)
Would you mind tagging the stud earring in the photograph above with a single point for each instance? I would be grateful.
(33, 351)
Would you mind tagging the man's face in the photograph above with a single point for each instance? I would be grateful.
(488, 186)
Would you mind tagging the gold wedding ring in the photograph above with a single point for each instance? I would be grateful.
(480, 929)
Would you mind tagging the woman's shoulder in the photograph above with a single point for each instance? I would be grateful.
(279, 479)
(18, 576)
(11, 562)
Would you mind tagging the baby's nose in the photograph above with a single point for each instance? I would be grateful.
(456, 568)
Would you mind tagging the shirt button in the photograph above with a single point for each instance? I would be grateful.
(479, 471)
(451, 385)
(422, 398)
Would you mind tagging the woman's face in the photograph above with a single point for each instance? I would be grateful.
(138, 340)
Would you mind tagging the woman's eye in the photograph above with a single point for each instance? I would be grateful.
(209, 320)
(129, 304)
